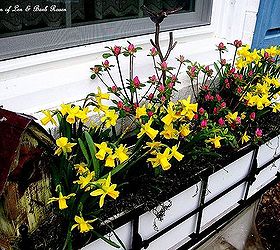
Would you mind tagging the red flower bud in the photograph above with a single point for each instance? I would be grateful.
(171, 85)
(127, 109)
(221, 46)
(153, 79)
(131, 48)
(250, 73)
(195, 117)
(161, 88)
(114, 89)
(201, 111)
(258, 133)
(106, 64)
(151, 96)
(238, 120)
(136, 82)
(120, 104)
(237, 43)
(253, 116)
(153, 51)
(150, 113)
(116, 50)
(203, 123)
(223, 62)
(218, 97)
(223, 105)
(163, 65)
(163, 98)
(221, 121)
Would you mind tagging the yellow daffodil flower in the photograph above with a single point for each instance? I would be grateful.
(262, 88)
(177, 155)
(61, 200)
(121, 153)
(65, 109)
(48, 118)
(99, 96)
(103, 149)
(161, 160)
(148, 130)
(262, 102)
(110, 118)
(172, 114)
(101, 108)
(72, 114)
(140, 111)
(272, 51)
(81, 168)
(83, 115)
(245, 138)
(83, 225)
(215, 141)
(189, 108)
(231, 117)
(110, 161)
(63, 146)
(85, 180)
(106, 189)
(169, 132)
(153, 145)
(185, 130)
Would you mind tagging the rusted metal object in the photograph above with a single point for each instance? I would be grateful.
(24, 175)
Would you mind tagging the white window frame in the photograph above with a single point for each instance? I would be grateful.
(38, 42)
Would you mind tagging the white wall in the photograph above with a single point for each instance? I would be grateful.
(36, 82)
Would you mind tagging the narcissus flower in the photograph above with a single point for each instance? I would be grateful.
(177, 155)
(121, 153)
(110, 161)
(148, 130)
(106, 189)
(85, 180)
(110, 118)
(63, 146)
(140, 111)
(161, 160)
(100, 96)
(83, 115)
(153, 145)
(48, 118)
(231, 117)
(245, 138)
(72, 114)
(189, 108)
(169, 132)
(103, 149)
(61, 200)
(215, 141)
(185, 130)
(81, 168)
(83, 225)
(65, 108)
(172, 114)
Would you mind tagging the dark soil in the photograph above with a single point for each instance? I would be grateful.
(268, 219)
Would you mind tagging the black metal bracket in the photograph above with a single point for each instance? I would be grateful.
(137, 241)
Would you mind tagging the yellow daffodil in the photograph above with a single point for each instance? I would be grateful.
(110, 161)
(177, 155)
(48, 118)
(245, 138)
(85, 180)
(65, 109)
(243, 116)
(153, 145)
(215, 141)
(103, 149)
(161, 160)
(83, 115)
(99, 96)
(121, 153)
(148, 130)
(272, 51)
(61, 200)
(110, 118)
(101, 108)
(189, 108)
(262, 102)
(72, 114)
(106, 189)
(140, 111)
(83, 225)
(185, 130)
(81, 168)
(172, 114)
(64, 146)
(262, 88)
(169, 132)
(231, 117)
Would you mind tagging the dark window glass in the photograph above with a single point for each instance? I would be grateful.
(27, 16)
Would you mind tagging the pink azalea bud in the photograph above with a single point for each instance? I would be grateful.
(237, 43)
(218, 97)
(221, 46)
(205, 87)
(250, 73)
(150, 113)
(136, 82)
(223, 105)
(266, 55)
(258, 133)
(207, 68)
(201, 111)
(173, 78)
(153, 51)
(195, 117)
(116, 50)
(239, 90)
(106, 64)
(153, 79)
(240, 77)
(171, 85)
(114, 89)
(238, 120)
(127, 109)
(151, 96)
(203, 123)
(135, 105)
(181, 58)
(253, 116)
(163, 65)
(161, 88)
(95, 69)
(221, 122)
(232, 71)
(131, 48)
(223, 62)
(120, 104)
(163, 98)
(215, 110)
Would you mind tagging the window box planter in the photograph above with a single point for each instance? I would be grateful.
(204, 205)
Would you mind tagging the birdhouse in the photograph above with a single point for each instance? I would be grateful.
(24, 175)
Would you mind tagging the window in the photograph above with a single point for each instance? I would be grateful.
(34, 26)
